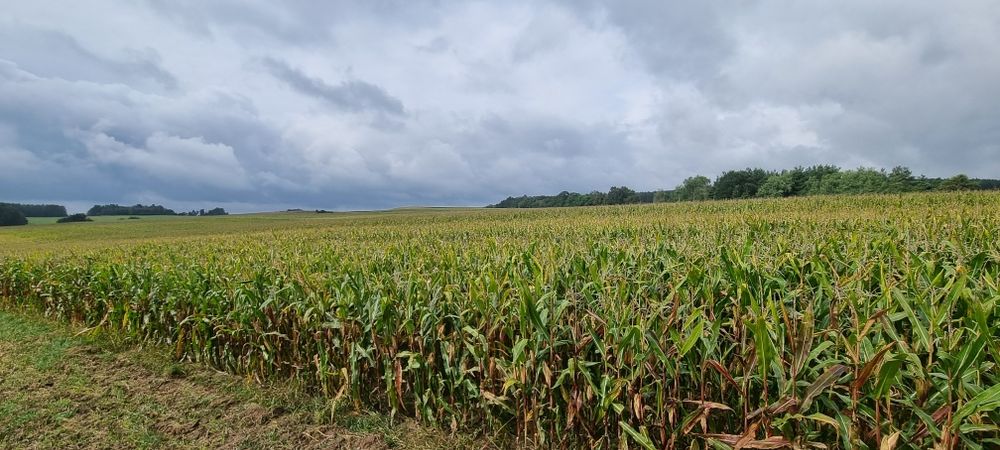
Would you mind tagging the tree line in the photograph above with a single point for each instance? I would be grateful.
(202, 212)
(38, 210)
(755, 182)
(17, 213)
(148, 210)
(11, 216)
(134, 210)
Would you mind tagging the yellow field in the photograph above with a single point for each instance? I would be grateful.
(834, 320)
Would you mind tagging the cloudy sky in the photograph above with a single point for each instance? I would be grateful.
(257, 104)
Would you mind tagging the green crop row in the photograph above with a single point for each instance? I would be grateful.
(865, 322)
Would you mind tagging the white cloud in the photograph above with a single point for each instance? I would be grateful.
(340, 104)
(172, 159)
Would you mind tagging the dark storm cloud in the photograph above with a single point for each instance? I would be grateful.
(350, 95)
(110, 139)
(268, 105)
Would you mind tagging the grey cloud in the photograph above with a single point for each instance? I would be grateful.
(113, 141)
(170, 158)
(56, 54)
(299, 23)
(349, 95)
(895, 104)
(251, 20)
(437, 45)
(452, 103)
(677, 39)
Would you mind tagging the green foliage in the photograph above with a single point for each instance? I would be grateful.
(617, 195)
(697, 187)
(959, 182)
(220, 212)
(38, 210)
(777, 185)
(848, 321)
(79, 217)
(134, 210)
(747, 183)
(901, 179)
(11, 216)
(739, 183)
(620, 196)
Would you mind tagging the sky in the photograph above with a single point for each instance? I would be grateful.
(260, 105)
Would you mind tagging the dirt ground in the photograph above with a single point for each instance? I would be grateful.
(61, 390)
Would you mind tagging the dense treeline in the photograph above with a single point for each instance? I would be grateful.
(151, 210)
(106, 210)
(11, 216)
(754, 182)
(38, 210)
(134, 210)
(202, 212)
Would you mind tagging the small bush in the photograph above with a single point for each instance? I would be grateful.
(80, 217)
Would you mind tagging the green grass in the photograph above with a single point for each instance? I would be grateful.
(97, 219)
(63, 389)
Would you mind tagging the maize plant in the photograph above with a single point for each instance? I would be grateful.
(825, 322)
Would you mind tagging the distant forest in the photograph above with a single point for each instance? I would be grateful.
(752, 183)
(38, 210)
(134, 210)
(148, 210)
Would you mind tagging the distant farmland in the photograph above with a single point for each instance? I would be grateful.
(851, 322)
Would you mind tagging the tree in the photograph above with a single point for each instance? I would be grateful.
(11, 216)
(900, 179)
(811, 179)
(135, 210)
(989, 184)
(859, 181)
(960, 182)
(215, 212)
(665, 196)
(746, 183)
(777, 185)
(618, 195)
(80, 217)
(39, 210)
(866, 181)
(596, 198)
(697, 187)
(739, 183)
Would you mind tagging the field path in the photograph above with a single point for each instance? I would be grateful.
(58, 390)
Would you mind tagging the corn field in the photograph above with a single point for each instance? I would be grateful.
(828, 322)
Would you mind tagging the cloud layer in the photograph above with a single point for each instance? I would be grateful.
(263, 105)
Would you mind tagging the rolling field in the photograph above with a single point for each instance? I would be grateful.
(836, 322)
(52, 220)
